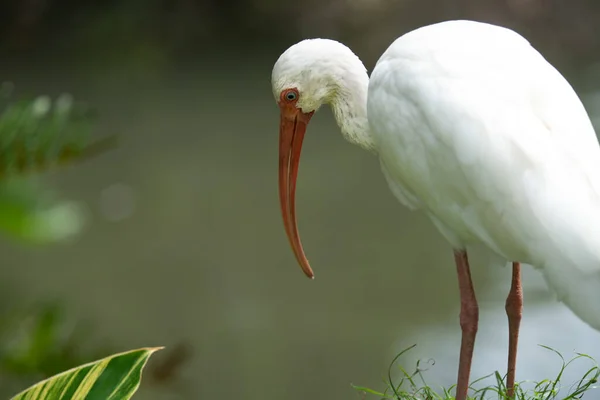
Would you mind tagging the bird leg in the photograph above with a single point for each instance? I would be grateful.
(469, 318)
(514, 311)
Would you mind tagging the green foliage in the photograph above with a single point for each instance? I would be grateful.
(34, 214)
(40, 340)
(112, 378)
(37, 135)
(36, 342)
(413, 386)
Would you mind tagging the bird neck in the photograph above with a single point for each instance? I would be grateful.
(349, 105)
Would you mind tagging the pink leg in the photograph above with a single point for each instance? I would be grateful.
(469, 318)
(514, 311)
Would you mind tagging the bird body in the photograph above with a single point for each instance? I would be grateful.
(473, 127)
(476, 129)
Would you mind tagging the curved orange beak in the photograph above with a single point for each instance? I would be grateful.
(292, 128)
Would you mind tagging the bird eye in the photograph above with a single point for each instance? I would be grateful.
(291, 95)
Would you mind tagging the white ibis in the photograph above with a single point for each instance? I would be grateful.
(473, 127)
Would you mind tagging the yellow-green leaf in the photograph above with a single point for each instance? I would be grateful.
(112, 378)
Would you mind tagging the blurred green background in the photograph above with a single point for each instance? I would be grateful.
(184, 244)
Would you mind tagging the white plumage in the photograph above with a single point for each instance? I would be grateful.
(473, 127)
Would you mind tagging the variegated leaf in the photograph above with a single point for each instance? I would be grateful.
(112, 378)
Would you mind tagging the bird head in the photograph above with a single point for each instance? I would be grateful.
(306, 76)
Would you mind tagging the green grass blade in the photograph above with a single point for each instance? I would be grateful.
(112, 378)
(369, 391)
(412, 386)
